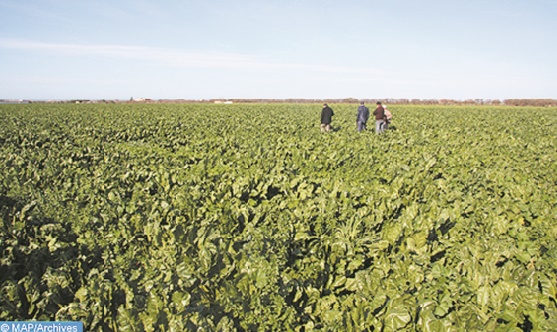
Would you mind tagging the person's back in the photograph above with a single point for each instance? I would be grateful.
(362, 116)
(326, 117)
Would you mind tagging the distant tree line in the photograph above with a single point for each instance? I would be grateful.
(531, 102)
(505, 102)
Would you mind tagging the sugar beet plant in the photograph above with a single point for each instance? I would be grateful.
(247, 218)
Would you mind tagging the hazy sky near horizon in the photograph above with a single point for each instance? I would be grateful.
(202, 49)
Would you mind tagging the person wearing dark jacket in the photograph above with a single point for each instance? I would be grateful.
(326, 117)
(379, 118)
(362, 117)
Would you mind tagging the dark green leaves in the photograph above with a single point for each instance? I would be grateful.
(246, 217)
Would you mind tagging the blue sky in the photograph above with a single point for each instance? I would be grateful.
(118, 49)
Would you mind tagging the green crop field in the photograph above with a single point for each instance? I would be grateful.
(245, 217)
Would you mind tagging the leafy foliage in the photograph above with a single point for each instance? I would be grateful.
(247, 218)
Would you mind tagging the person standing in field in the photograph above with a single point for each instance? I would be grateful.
(379, 118)
(388, 117)
(362, 117)
(326, 118)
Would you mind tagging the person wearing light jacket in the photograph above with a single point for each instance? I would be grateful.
(388, 117)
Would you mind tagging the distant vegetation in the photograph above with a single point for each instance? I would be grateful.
(506, 102)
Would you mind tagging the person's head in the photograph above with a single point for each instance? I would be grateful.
(378, 103)
(362, 102)
(325, 105)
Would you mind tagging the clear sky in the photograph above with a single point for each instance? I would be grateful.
(204, 49)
